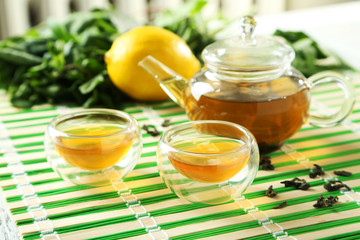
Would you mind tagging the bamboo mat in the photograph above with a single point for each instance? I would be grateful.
(43, 206)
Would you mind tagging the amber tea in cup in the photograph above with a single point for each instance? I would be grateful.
(203, 168)
(207, 161)
(94, 146)
(93, 152)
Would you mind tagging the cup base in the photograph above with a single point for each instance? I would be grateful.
(99, 178)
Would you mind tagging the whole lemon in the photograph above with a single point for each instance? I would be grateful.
(129, 48)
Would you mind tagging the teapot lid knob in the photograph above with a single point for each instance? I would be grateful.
(248, 25)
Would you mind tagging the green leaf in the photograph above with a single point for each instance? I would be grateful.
(92, 65)
(90, 85)
(53, 89)
(58, 30)
(172, 16)
(309, 56)
(56, 50)
(6, 74)
(18, 57)
(37, 46)
(291, 36)
(91, 100)
(81, 24)
(97, 41)
(23, 91)
(105, 26)
(21, 103)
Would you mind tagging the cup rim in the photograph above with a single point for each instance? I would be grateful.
(62, 117)
(245, 131)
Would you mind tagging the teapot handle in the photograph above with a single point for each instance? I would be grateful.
(349, 98)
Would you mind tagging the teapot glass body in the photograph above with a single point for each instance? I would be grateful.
(273, 109)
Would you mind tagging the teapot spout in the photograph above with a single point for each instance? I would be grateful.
(172, 83)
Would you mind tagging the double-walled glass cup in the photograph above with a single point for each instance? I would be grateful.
(93, 147)
(208, 161)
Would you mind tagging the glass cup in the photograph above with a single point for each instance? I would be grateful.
(94, 147)
(208, 161)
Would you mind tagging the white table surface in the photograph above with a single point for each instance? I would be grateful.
(335, 27)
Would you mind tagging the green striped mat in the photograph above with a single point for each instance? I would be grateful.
(43, 206)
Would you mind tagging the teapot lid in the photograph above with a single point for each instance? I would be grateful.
(248, 53)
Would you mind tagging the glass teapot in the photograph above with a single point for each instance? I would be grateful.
(250, 81)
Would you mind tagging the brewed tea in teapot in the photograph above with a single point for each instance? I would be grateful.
(273, 115)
